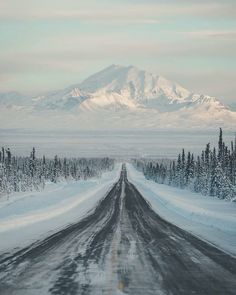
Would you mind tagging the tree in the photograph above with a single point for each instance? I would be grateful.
(220, 147)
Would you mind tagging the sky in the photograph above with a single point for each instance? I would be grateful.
(51, 44)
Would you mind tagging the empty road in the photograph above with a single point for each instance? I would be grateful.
(121, 247)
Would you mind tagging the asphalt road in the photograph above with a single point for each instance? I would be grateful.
(121, 247)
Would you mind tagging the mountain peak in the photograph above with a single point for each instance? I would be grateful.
(134, 83)
(117, 66)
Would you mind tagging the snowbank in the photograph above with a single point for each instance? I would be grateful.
(26, 217)
(211, 219)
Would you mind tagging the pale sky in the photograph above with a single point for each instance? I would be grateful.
(51, 44)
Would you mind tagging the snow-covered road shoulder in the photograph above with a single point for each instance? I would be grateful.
(211, 219)
(30, 216)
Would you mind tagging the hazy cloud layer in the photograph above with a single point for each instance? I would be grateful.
(51, 43)
(114, 11)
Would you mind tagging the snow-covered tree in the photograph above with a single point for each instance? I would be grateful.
(31, 173)
(213, 173)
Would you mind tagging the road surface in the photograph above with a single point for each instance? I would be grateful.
(121, 247)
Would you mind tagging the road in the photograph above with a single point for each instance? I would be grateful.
(121, 247)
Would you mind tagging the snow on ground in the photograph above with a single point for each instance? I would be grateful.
(26, 217)
(210, 219)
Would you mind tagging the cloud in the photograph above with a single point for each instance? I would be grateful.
(120, 45)
(3, 78)
(114, 12)
(216, 83)
(66, 52)
(218, 34)
(47, 41)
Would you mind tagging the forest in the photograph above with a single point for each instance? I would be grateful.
(212, 173)
(20, 174)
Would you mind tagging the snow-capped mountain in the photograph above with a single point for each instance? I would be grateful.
(121, 97)
(134, 83)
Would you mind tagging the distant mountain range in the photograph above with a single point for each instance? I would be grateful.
(117, 97)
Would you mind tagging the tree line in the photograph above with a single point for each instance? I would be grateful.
(20, 174)
(212, 173)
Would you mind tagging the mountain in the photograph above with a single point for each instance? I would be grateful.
(122, 97)
(123, 86)
(134, 83)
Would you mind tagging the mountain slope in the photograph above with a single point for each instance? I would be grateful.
(134, 83)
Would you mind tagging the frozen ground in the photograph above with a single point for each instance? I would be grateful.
(134, 143)
(211, 219)
(25, 217)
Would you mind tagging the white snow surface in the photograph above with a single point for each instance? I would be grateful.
(211, 219)
(27, 217)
